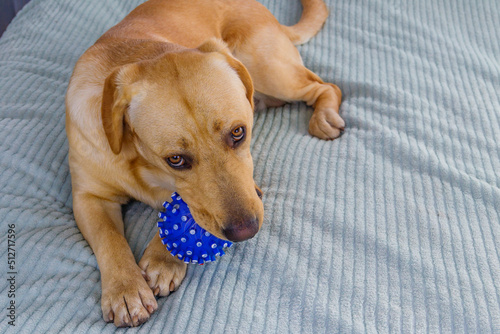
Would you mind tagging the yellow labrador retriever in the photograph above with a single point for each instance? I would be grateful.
(164, 102)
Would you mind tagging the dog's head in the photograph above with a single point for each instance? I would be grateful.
(189, 116)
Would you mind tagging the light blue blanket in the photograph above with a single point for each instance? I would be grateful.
(394, 227)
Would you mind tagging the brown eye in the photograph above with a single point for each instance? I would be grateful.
(176, 161)
(238, 133)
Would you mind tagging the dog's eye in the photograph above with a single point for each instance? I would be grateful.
(176, 161)
(238, 133)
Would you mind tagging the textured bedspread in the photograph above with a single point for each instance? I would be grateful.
(394, 227)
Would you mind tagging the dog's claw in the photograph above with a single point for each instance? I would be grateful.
(111, 317)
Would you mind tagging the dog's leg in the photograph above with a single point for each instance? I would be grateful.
(164, 273)
(126, 298)
(277, 71)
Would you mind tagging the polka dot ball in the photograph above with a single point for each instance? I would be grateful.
(184, 238)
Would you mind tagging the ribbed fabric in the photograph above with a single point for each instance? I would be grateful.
(394, 227)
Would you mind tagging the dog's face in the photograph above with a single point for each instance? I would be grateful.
(189, 116)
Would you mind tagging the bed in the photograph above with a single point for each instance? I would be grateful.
(394, 227)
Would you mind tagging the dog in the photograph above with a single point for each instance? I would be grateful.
(164, 101)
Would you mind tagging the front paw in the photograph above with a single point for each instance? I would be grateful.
(126, 299)
(163, 272)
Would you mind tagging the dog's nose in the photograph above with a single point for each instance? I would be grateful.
(244, 230)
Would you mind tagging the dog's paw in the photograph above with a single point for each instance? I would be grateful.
(326, 124)
(163, 272)
(127, 300)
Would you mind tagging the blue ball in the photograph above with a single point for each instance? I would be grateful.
(184, 238)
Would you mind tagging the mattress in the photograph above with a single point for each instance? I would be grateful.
(394, 227)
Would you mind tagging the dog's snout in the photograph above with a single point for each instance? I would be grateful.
(241, 231)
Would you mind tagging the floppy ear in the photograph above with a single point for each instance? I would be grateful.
(116, 97)
(243, 74)
(217, 45)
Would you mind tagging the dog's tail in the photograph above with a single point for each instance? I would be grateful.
(313, 17)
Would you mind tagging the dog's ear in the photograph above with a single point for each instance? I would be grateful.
(116, 97)
(244, 76)
(214, 45)
(217, 45)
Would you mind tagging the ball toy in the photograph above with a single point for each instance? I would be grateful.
(184, 238)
